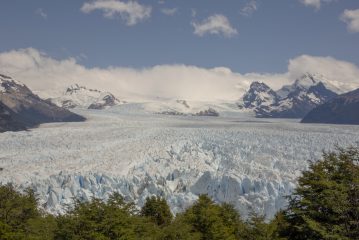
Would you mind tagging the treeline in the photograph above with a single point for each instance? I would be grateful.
(325, 205)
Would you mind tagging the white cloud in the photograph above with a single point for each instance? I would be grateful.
(315, 3)
(132, 12)
(47, 76)
(41, 13)
(351, 17)
(169, 11)
(250, 7)
(215, 24)
(343, 74)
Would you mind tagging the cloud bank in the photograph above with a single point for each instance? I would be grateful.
(49, 77)
(131, 12)
(351, 18)
(216, 24)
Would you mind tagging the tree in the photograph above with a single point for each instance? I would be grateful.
(158, 210)
(213, 221)
(179, 229)
(20, 217)
(114, 219)
(258, 229)
(325, 205)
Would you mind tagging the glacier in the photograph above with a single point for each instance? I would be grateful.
(234, 158)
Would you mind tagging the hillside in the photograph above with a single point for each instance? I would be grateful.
(20, 108)
(343, 109)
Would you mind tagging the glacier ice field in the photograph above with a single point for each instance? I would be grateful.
(250, 163)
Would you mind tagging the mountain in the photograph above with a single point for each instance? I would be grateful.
(259, 94)
(259, 98)
(343, 109)
(77, 96)
(291, 101)
(8, 121)
(20, 108)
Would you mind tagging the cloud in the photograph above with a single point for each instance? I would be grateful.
(131, 12)
(41, 13)
(216, 24)
(351, 18)
(169, 11)
(315, 3)
(250, 7)
(343, 74)
(49, 77)
(193, 12)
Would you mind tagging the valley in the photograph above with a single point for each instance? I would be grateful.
(235, 158)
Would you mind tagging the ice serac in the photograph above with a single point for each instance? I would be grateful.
(291, 101)
(344, 109)
(20, 108)
(77, 96)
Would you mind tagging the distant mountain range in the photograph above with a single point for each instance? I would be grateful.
(20, 108)
(77, 96)
(311, 97)
(291, 101)
(343, 109)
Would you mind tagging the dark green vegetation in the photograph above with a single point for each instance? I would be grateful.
(325, 205)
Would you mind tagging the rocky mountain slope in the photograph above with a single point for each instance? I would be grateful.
(20, 108)
(292, 101)
(344, 109)
(77, 96)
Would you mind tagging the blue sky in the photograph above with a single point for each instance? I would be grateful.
(263, 40)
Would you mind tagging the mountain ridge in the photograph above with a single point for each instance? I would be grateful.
(20, 108)
(291, 101)
(77, 96)
(343, 109)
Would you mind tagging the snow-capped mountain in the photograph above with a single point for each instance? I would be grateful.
(20, 108)
(291, 101)
(343, 109)
(258, 95)
(184, 108)
(77, 96)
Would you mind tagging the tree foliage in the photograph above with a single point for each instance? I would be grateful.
(158, 210)
(325, 205)
(20, 217)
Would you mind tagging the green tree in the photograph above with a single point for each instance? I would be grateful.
(258, 229)
(213, 221)
(20, 217)
(179, 229)
(114, 219)
(158, 210)
(325, 205)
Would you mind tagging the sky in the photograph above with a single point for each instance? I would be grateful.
(177, 41)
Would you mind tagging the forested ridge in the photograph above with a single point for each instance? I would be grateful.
(325, 205)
